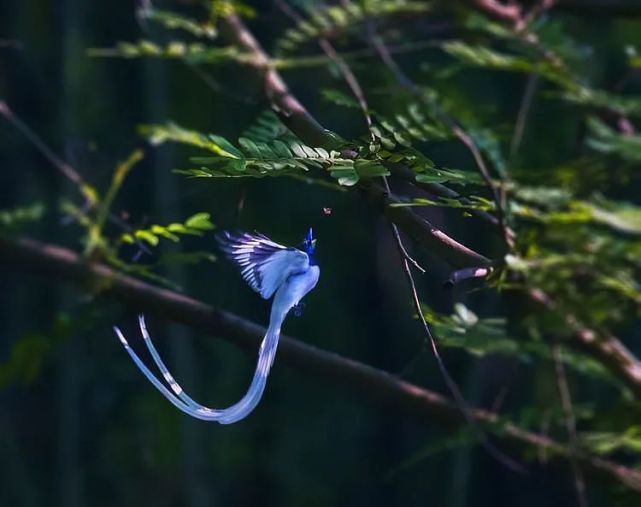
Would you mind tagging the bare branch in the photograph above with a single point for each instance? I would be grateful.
(433, 239)
(457, 131)
(452, 386)
(570, 424)
(65, 169)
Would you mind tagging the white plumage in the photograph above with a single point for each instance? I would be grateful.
(270, 269)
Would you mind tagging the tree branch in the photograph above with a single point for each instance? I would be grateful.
(303, 124)
(607, 350)
(368, 382)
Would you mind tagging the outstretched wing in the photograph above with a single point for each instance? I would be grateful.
(264, 264)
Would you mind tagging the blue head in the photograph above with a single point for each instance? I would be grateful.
(309, 246)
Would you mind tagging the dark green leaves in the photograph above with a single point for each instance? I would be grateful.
(606, 140)
(329, 21)
(175, 21)
(192, 53)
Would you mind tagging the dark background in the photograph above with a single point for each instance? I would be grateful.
(86, 428)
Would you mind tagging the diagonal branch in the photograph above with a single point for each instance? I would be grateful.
(608, 349)
(368, 382)
(458, 132)
(305, 126)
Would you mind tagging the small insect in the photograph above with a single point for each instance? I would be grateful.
(327, 211)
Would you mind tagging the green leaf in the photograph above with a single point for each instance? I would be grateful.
(200, 221)
(443, 175)
(336, 19)
(606, 140)
(193, 226)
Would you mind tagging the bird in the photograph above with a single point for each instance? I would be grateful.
(287, 274)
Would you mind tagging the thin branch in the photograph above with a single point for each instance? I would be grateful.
(520, 27)
(404, 80)
(524, 110)
(303, 124)
(357, 91)
(433, 239)
(81, 185)
(65, 169)
(570, 424)
(466, 274)
(606, 349)
(369, 383)
(453, 387)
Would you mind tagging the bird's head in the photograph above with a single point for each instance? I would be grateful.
(309, 243)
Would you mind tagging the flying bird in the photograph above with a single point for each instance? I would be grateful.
(271, 269)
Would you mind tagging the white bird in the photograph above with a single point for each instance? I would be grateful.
(270, 269)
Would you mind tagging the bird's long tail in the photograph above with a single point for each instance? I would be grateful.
(183, 402)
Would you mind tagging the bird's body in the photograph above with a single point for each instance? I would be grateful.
(271, 269)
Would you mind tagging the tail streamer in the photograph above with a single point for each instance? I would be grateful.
(185, 403)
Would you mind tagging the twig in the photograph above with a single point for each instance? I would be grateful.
(451, 383)
(404, 80)
(357, 91)
(570, 424)
(520, 28)
(369, 383)
(524, 109)
(305, 126)
(84, 188)
(461, 403)
(65, 169)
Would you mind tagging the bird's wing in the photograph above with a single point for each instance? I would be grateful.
(264, 264)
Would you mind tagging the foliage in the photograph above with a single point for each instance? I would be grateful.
(17, 217)
(258, 158)
(192, 53)
(528, 131)
(334, 19)
(193, 226)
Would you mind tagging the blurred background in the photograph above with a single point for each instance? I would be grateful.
(79, 424)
